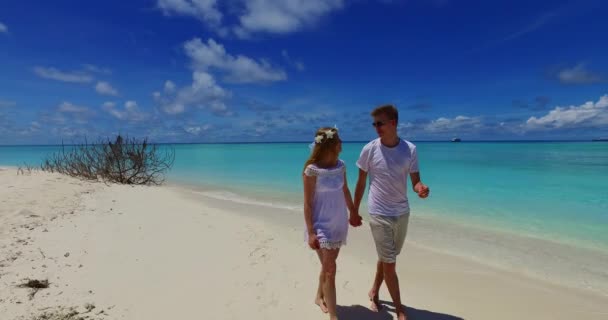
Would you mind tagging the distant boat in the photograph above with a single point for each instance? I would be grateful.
(456, 140)
(600, 140)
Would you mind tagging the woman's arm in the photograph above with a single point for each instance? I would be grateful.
(348, 197)
(309, 195)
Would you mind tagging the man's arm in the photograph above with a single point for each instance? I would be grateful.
(360, 188)
(363, 164)
(355, 218)
(420, 188)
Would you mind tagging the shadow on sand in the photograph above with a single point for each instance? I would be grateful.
(358, 312)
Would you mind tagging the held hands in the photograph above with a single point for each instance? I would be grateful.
(355, 219)
(422, 190)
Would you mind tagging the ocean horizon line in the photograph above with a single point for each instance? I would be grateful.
(297, 142)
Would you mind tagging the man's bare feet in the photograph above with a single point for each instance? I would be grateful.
(375, 299)
(321, 303)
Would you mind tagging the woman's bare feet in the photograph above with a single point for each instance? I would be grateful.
(401, 315)
(375, 299)
(321, 303)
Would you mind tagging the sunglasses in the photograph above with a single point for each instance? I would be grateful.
(379, 124)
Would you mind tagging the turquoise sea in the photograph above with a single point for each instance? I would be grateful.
(555, 191)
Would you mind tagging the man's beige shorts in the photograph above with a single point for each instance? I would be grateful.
(389, 235)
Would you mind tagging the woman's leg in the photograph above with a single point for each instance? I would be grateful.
(329, 283)
(319, 298)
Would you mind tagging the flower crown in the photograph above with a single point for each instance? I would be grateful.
(326, 135)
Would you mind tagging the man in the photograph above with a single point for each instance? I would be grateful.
(388, 161)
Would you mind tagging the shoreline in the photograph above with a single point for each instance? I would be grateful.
(291, 200)
(538, 258)
(152, 252)
(550, 261)
(571, 214)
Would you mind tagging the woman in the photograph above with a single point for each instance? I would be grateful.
(326, 200)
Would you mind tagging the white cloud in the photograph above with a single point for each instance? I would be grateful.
(69, 113)
(296, 64)
(587, 115)
(253, 16)
(105, 88)
(204, 93)
(196, 130)
(282, 16)
(169, 86)
(6, 104)
(291, 119)
(131, 111)
(578, 75)
(131, 105)
(299, 65)
(205, 10)
(532, 26)
(109, 105)
(67, 107)
(475, 127)
(71, 132)
(193, 130)
(35, 125)
(28, 130)
(404, 127)
(53, 118)
(96, 69)
(3, 28)
(455, 125)
(239, 69)
(56, 74)
(538, 23)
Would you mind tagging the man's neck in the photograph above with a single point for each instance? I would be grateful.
(390, 141)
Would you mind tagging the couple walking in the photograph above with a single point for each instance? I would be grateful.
(387, 161)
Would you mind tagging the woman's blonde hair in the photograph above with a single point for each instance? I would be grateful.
(326, 142)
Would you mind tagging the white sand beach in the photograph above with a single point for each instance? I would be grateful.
(171, 253)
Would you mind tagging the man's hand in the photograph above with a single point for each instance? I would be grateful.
(422, 190)
(313, 242)
(355, 220)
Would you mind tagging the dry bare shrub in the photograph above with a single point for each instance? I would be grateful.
(124, 161)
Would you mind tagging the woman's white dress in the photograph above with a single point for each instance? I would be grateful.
(330, 216)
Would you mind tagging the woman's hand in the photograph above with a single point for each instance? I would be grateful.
(313, 242)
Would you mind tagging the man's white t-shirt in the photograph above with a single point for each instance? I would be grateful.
(388, 170)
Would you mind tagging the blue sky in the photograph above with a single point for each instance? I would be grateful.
(259, 70)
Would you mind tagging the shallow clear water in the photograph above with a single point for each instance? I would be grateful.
(551, 190)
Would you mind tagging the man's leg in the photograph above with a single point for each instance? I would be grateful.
(392, 283)
(390, 271)
(382, 232)
(373, 293)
